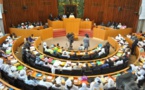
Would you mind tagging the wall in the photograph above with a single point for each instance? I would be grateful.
(141, 26)
(78, 3)
(17, 11)
(123, 11)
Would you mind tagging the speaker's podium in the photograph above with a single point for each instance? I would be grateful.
(72, 25)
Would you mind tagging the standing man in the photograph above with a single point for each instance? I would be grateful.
(133, 46)
(86, 42)
(70, 37)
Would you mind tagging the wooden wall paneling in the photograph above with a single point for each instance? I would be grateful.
(108, 10)
(29, 10)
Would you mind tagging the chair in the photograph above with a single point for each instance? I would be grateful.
(113, 68)
(4, 74)
(89, 72)
(125, 64)
(32, 63)
(66, 72)
(19, 83)
(39, 87)
(44, 68)
(28, 87)
(37, 66)
(119, 67)
(54, 89)
(96, 71)
(11, 80)
(76, 72)
(105, 70)
(113, 88)
(57, 71)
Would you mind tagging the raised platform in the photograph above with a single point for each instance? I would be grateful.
(62, 32)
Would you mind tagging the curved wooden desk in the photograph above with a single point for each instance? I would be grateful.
(43, 33)
(19, 42)
(111, 41)
(2, 39)
(105, 32)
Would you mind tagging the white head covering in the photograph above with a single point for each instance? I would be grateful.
(68, 82)
(58, 82)
(22, 72)
(13, 68)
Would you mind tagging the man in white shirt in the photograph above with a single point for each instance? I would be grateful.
(22, 75)
(96, 85)
(109, 84)
(69, 85)
(43, 82)
(65, 54)
(13, 72)
(102, 51)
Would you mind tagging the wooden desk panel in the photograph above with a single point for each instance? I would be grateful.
(43, 33)
(2, 39)
(86, 25)
(56, 24)
(105, 32)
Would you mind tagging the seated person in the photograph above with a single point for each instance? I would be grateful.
(5, 44)
(30, 26)
(30, 81)
(110, 83)
(74, 56)
(58, 85)
(45, 83)
(22, 75)
(86, 68)
(97, 84)
(12, 72)
(84, 87)
(69, 85)
(76, 66)
(81, 47)
(86, 56)
(31, 38)
(65, 54)
(94, 55)
(71, 15)
(102, 51)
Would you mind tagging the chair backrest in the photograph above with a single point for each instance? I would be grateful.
(20, 83)
(28, 87)
(88, 72)
(38, 87)
(57, 71)
(97, 71)
(76, 72)
(105, 70)
(55, 89)
(66, 72)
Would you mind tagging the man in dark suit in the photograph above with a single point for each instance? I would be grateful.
(133, 46)
(70, 37)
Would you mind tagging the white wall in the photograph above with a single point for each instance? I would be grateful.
(1, 20)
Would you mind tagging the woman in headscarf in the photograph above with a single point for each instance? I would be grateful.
(96, 85)
(84, 87)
